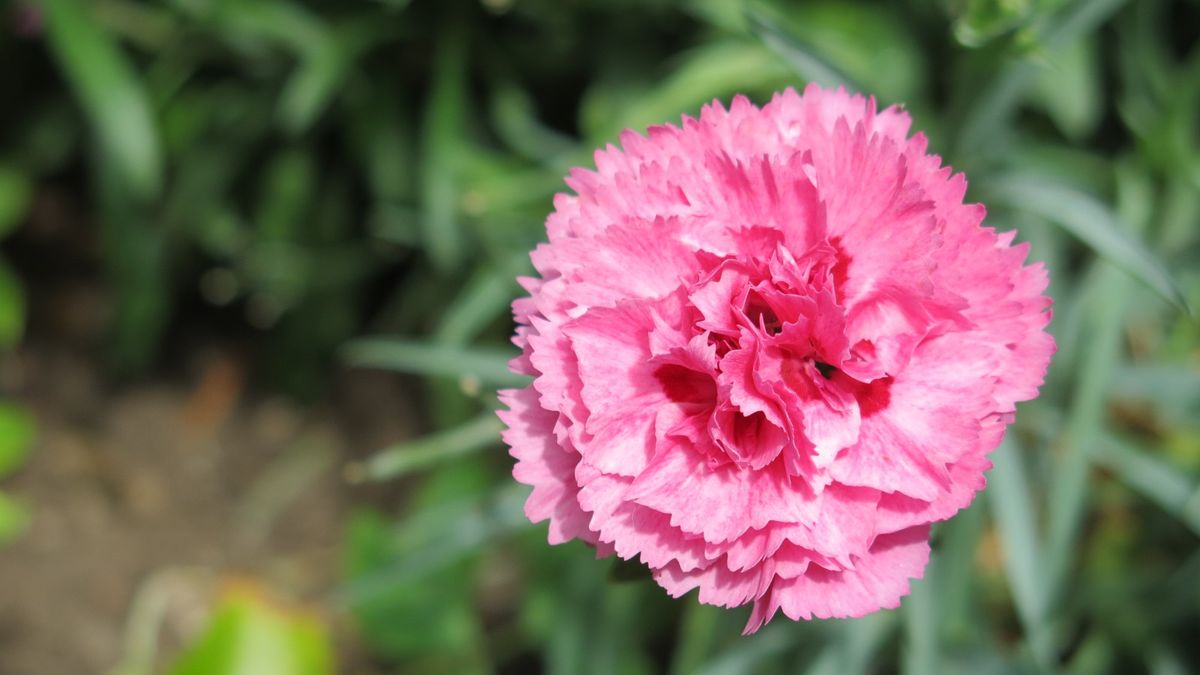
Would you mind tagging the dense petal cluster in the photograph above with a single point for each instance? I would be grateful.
(768, 349)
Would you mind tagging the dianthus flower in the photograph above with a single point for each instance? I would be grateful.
(770, 348)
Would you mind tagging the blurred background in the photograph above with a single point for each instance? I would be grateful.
(255, 270)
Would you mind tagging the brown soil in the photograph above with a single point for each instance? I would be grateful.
(162, 491)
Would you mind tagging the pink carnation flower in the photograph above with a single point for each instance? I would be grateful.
(769, 348)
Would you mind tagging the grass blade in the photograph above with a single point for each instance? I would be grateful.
(802, 58)
(111, 93)
(442, 131)
(1012, 506)
(487, 366)
(1152, 478)
(405, 458)
(1092, 223)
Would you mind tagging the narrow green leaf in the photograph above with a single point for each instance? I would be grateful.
(1012, 505)
(16, 191)
(17, 429)
(1091, 222)
(863, 47)
(716, 69)
(749, 653)
(405, 458)
(697, 634)
(489, 366)
(12, 307)
(314, 82)
(800, 56)
(485, 298)
(958, 542)
(439, 536)
(443, 128)
(1069, 88)
(989, 110)
(1105, 301)
(1153, 478)
(111, 93)
(858, 643)
(922, 640)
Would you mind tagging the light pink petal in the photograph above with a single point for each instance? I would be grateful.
(545, 465)
(634, 529)
(719, 503)
(619, 388)
(879, 579)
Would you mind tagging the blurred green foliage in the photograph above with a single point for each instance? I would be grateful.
(327, 170)
(248, 635)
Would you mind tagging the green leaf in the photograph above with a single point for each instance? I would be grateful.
(1012, 505)
(748, 654)
(314, 82)
(1069, 88)
(404, 458)
(437, 537)
(1091, 222)
(1153, 478)
(248, 635)
(14, 518)
(716, 69)
(111, 93)
(922, 639)
(16, 191)
(486, 365)
(980, 21)
(801, 56)
(856, 646)
(839, 43)
(443, 128)
(12, 308)
(17, 429)
(485, 297)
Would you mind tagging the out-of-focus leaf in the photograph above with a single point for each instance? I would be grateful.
(1069, 87)
(851, 44)
(14, 518)
(439, 536)
(1153, 478)
(1091, 222)
(989, 109)
(980, 21)
(17, 430)
(286, 196)
(488, 366)
(431, 614)
(856, 646)
(748, 653)
(717, 69)
(1012, 504)
(484, 299)
(921, 654)
(800, 56)
(1173, 390)
(310, 87)
(696, 636)
(250, 635)
(442, 132)
(1105, 301)
(12, 307)
(515, 117)
(110, 91)
(15, 193)
(404, 458)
